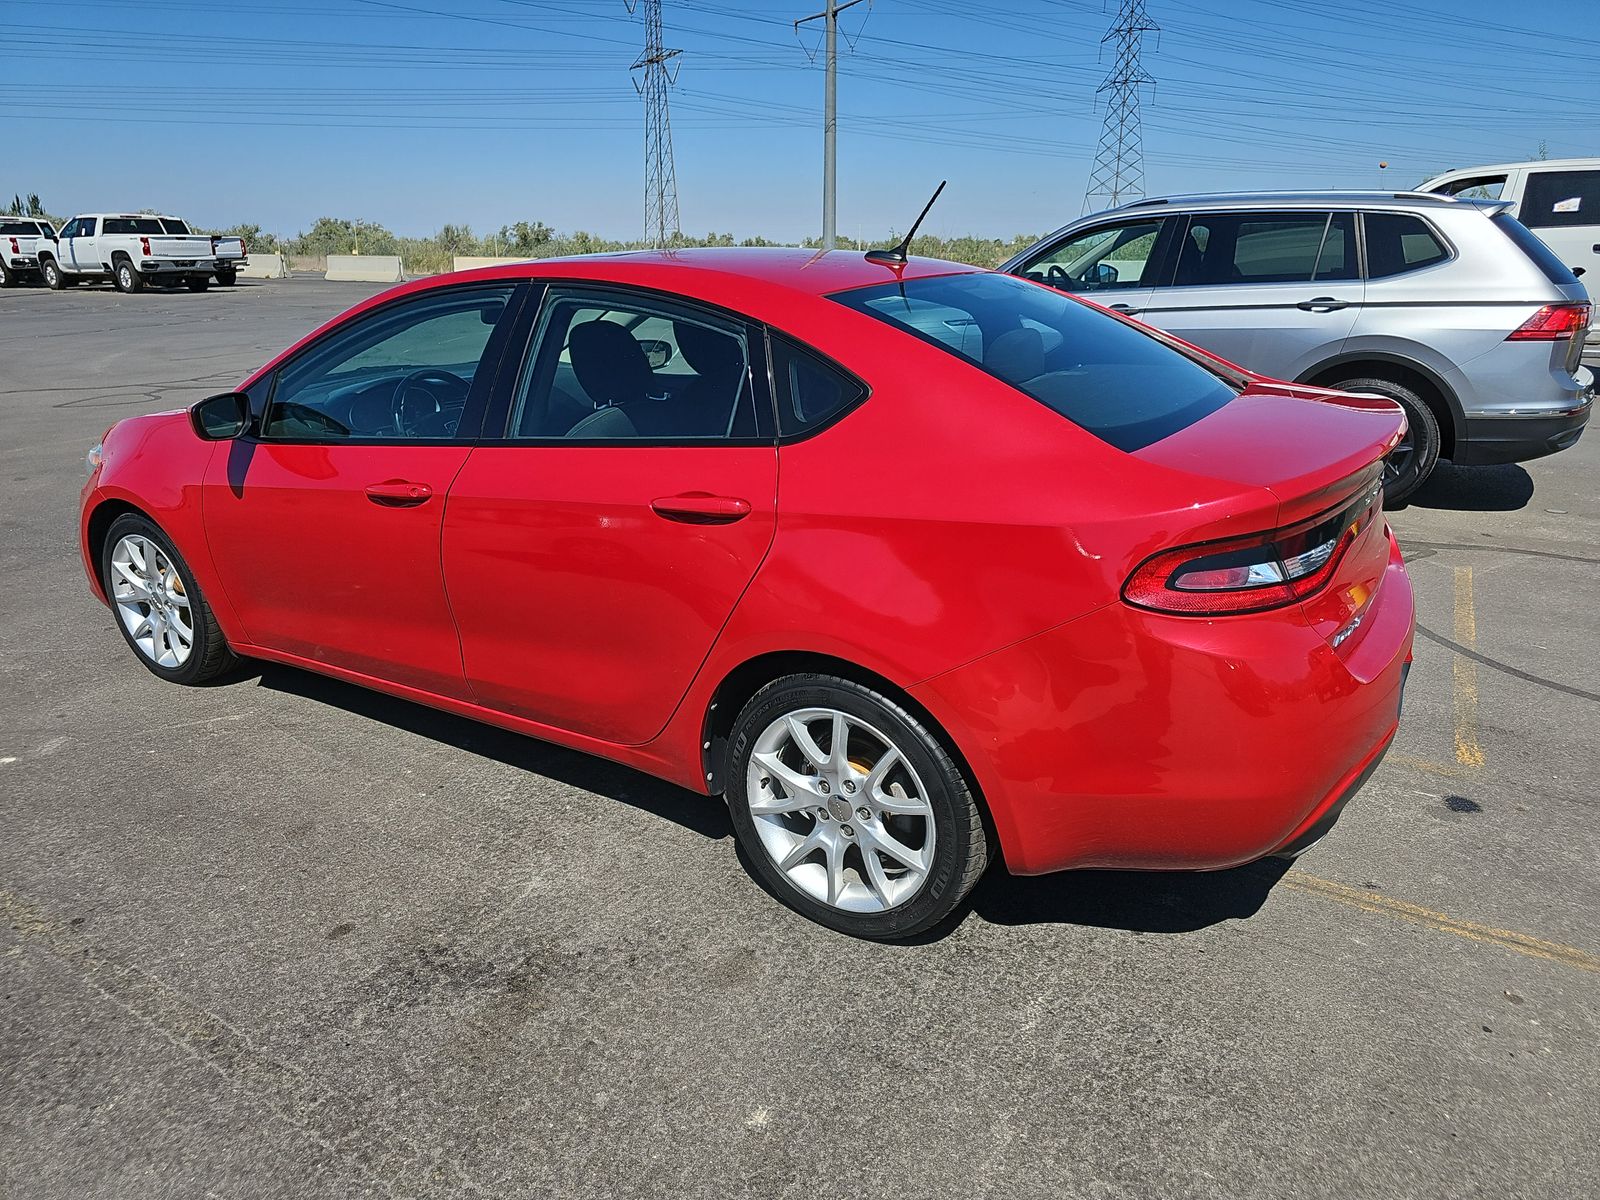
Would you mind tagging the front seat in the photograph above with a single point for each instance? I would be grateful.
(611, 368)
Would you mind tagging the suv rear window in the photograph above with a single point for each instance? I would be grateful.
(1400, 242)
(1556, 271)
(1106, 377)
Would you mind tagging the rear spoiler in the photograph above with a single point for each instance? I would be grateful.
(1492, 208)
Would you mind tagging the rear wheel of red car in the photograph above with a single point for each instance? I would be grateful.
(160, 610)
(1407, 468)
(850, 809)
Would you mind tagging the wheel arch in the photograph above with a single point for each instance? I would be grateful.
(742, 682)
(99, 525)
(1439, 396)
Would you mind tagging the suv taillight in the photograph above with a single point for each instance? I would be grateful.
(1552, 323)
(1252, 573)
(144, 246)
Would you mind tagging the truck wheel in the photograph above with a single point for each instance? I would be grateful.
(197, 283)
(125, 277)
(8, 277)
(226, 278)
(54, 278)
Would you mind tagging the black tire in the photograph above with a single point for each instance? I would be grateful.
(1416, 457)
(8, 277)
(125, 276)
(197, 283)
(960, 845)
(227, 278)
(54, 277)
(209, 655)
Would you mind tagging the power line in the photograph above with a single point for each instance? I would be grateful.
(660, 175)
(830, 121)
(1119, 164)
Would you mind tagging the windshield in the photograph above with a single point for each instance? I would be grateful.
(173, 225)
(1109, 378)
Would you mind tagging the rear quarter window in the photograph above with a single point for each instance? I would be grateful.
(1400, 242)
(1105, 376)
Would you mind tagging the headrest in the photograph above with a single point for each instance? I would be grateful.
(609, 362)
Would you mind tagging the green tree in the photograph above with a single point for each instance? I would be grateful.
(35, 207)
(16, 206)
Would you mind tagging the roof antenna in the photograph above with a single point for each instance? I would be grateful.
(896, 257)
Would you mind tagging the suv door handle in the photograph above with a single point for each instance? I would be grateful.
(701, 508)
(1322, 304)
(1126, 310)
(398, 493)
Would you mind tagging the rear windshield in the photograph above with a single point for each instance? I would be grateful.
(1556, 271)
(1104, 376)
(172, 225)
(30, 228)
(140, 225)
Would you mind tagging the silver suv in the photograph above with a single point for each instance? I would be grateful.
(1449, 306)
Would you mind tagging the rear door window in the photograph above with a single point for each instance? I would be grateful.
(1256, 248)
(1554, 199)
(1400, 242)
(1102, 374)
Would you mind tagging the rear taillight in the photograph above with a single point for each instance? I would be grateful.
(213, 247)
(1252, 573)
(243, 248)
(1552, 323)
(144, 246)
(15, 249)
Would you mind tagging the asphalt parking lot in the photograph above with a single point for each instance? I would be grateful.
(285, 938)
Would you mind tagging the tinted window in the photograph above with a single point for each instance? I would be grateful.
(1552, 199)
(1556, 271)
(403, 372)
(31, 228)
(82, 227)
(1108, 256)
(1248, 248)
(138, 225)
(610, 367)
(1100, 373)
(1399, 242)
(811, 391)
(172, 225)
(1479, 187)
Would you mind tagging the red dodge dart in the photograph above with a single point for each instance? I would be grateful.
(914, 565)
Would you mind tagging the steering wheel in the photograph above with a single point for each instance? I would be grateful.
(1056, 276)
(429, 382)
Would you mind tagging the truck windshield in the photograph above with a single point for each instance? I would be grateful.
(1123, 386)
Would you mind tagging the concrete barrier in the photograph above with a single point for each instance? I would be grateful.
(365, 268)
(264, 266)
(465, 262)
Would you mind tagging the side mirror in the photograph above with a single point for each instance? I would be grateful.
(658, 353)
(1104, 275)
(221, 418)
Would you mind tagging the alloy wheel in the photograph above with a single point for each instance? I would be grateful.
(840, 810)
(152, 601)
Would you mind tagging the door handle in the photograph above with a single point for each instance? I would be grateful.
(701, 508)
(1322, 304)
(398, 493)
(1126, 310)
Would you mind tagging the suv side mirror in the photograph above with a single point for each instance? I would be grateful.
(221, 418)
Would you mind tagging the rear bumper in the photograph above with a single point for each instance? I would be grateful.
(1518, 438)
(182, 266)
(1133, 740)
(22, 262)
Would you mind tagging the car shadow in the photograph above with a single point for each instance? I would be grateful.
(1138, 901)
(1504, 488)
(614, 781)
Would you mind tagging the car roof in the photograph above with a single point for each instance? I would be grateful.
(122, 216)
(813, 272)
(1396, 200)
(1541, 164)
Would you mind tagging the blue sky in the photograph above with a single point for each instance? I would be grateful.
(414, 113)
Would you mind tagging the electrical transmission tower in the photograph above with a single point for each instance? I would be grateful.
(1118, 173)
(660, 176)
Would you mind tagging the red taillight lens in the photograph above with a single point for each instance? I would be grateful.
(144, 246)
(1553, 322)
(244, 249)
(15, 249)
(1253, 573)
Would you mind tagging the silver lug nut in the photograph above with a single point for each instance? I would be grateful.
(822, 786)
(847, 831)
(849, 785)
(863, 814)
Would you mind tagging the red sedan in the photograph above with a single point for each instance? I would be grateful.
(914, 565)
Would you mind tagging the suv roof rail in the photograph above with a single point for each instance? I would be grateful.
(1147, 202)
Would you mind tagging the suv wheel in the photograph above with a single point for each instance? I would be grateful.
(1413, 460)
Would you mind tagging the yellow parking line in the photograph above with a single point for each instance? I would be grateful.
(1385, 906)
(1464, 672)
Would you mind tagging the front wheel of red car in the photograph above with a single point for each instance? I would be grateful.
(850, 809)
(160, 609)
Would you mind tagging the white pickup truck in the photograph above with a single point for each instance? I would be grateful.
(131, 249)
(20, 239)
